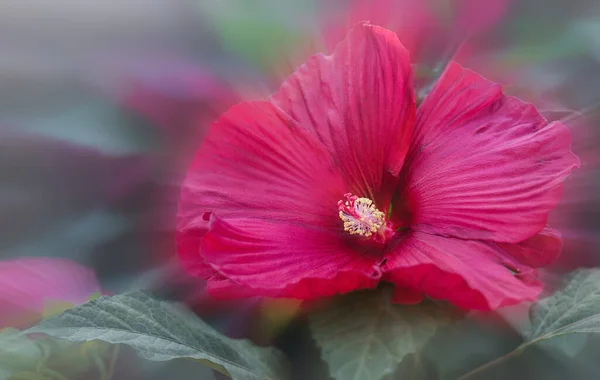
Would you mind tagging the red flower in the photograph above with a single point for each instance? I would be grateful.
(338, 182)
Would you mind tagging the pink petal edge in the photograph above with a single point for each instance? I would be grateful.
(471, 274)
(483, 165)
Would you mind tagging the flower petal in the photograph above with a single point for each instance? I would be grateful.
(538, 251)
(483, 165)
(188, 248)
(470, 274)
(360, 103)
(257, 163)
(407, 296)
(280, 259)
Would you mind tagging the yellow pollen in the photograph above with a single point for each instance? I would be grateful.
(360, 216)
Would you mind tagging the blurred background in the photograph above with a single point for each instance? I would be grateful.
(102, 103)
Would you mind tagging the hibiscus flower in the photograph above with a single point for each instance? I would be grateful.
(339, 182)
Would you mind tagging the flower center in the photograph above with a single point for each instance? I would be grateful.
(360, 216)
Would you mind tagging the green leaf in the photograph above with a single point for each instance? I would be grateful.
(413, 367)
(364, 336)
(261, 32)
(22, 357)
(17, 353)
(159, 331)
(467, 344)
(573, 309)
(74, 359)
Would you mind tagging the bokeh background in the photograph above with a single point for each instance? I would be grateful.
(103, 102)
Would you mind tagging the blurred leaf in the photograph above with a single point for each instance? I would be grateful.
(412, 367)
(36, 357)
(276, 314)
(259, 43)
(458, 348)
(565, 345)
(465, 345)
(55, 307)
(76, 358)
(95, 296)
(569, 43)
(574, 309)
(160, 331)
(59, 199)
(262, 32)
(97, 125)
(17, 353)
(364, 336)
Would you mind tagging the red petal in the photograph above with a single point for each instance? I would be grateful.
(407, 296)
(538, 251)
(483, 165)
(256, 163)
(281, 259)
(470, 274)
(359, 103)
(188, 248)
